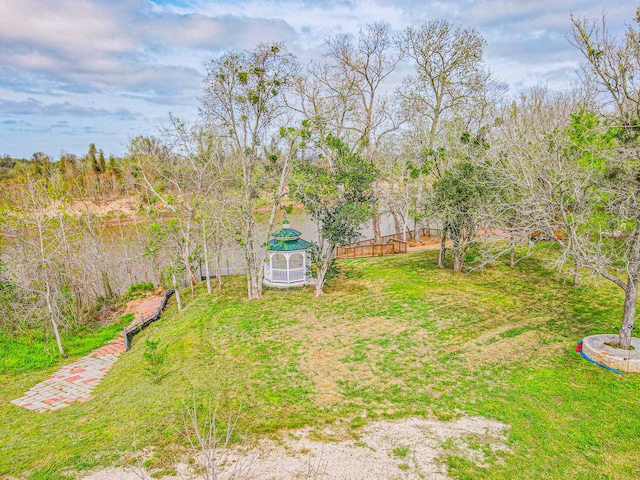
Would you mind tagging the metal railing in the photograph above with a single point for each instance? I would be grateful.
(132, 330)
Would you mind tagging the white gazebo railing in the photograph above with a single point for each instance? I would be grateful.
(277, 275)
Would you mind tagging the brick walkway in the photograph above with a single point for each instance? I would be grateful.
(76, 381)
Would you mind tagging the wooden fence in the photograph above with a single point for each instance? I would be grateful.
(390, 247)
(422, 232)
(389, 244)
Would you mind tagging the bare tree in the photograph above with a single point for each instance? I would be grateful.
(577, 185)
(451, 81)
(244, 98)
(613, 68)
(38, 265)
(179, 175)
(363, 68)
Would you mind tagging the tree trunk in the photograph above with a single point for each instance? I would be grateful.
(191, 275)
(186, 254)
(106, 284)
(254, 283)
(177, 290)
(458, 256)
(629, 316)
(206, 262)
(52, 318)
(322, 272)
(416, 205)
(396, 220)
(512, 257)
(377, 234)
(218, 271)
(443, 249)
(631, 292)
(576, 272)
(457, 262)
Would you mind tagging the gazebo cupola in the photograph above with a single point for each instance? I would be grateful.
(286, 263)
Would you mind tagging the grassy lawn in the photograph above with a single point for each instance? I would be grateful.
(393, 337)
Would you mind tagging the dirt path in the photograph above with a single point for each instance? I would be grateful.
(429, 243)
(75, 382)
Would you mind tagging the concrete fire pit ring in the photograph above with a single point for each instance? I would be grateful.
(596, 349)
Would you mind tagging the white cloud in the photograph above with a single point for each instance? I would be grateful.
(31, 106)
(64, 58)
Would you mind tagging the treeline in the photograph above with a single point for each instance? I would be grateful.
(89, 176)
(64, 257)
(449, 145)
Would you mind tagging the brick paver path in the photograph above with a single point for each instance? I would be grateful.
(76, 381)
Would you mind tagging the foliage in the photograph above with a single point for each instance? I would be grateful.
(316, 257)
(459, 195)
(137, 290)
(340, 197)
(337, 192)
(462, 193)
(155, 358)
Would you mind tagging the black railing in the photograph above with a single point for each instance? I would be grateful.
(130, 331)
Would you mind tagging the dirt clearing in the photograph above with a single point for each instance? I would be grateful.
(413, 448)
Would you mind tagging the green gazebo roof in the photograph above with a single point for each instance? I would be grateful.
(277, 245)
(287, 239)
(286, 231)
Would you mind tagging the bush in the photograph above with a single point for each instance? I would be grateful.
(155, 359)
(137, 290)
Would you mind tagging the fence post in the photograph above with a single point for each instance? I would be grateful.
(141, 322)
(126, 340)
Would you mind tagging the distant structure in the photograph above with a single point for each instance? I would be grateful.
(287, 263)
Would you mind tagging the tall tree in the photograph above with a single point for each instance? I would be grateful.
(363, 67)
(338, 196)
(93, 159)
(179, 178)
(244, 100)
(450, 82)
(462, 193)
(613, 69)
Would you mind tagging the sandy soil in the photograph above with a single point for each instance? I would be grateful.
(427, 243)
(412, 448)
(127, 206)
(143, 306)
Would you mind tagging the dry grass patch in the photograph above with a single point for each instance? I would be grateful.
(326, 345)
(518, 349)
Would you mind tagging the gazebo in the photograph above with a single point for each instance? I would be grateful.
(286, 263)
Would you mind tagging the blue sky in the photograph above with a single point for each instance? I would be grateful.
(73, 72)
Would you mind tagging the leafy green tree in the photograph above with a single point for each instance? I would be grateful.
(338, 196)
(102, 165)
(93, 160)
(460, 196)
(155, 358)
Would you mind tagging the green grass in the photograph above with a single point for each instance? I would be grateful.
(394, 337)
(36, 350)
(401, 451)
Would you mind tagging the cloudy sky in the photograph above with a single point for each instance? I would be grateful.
(74, 72)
